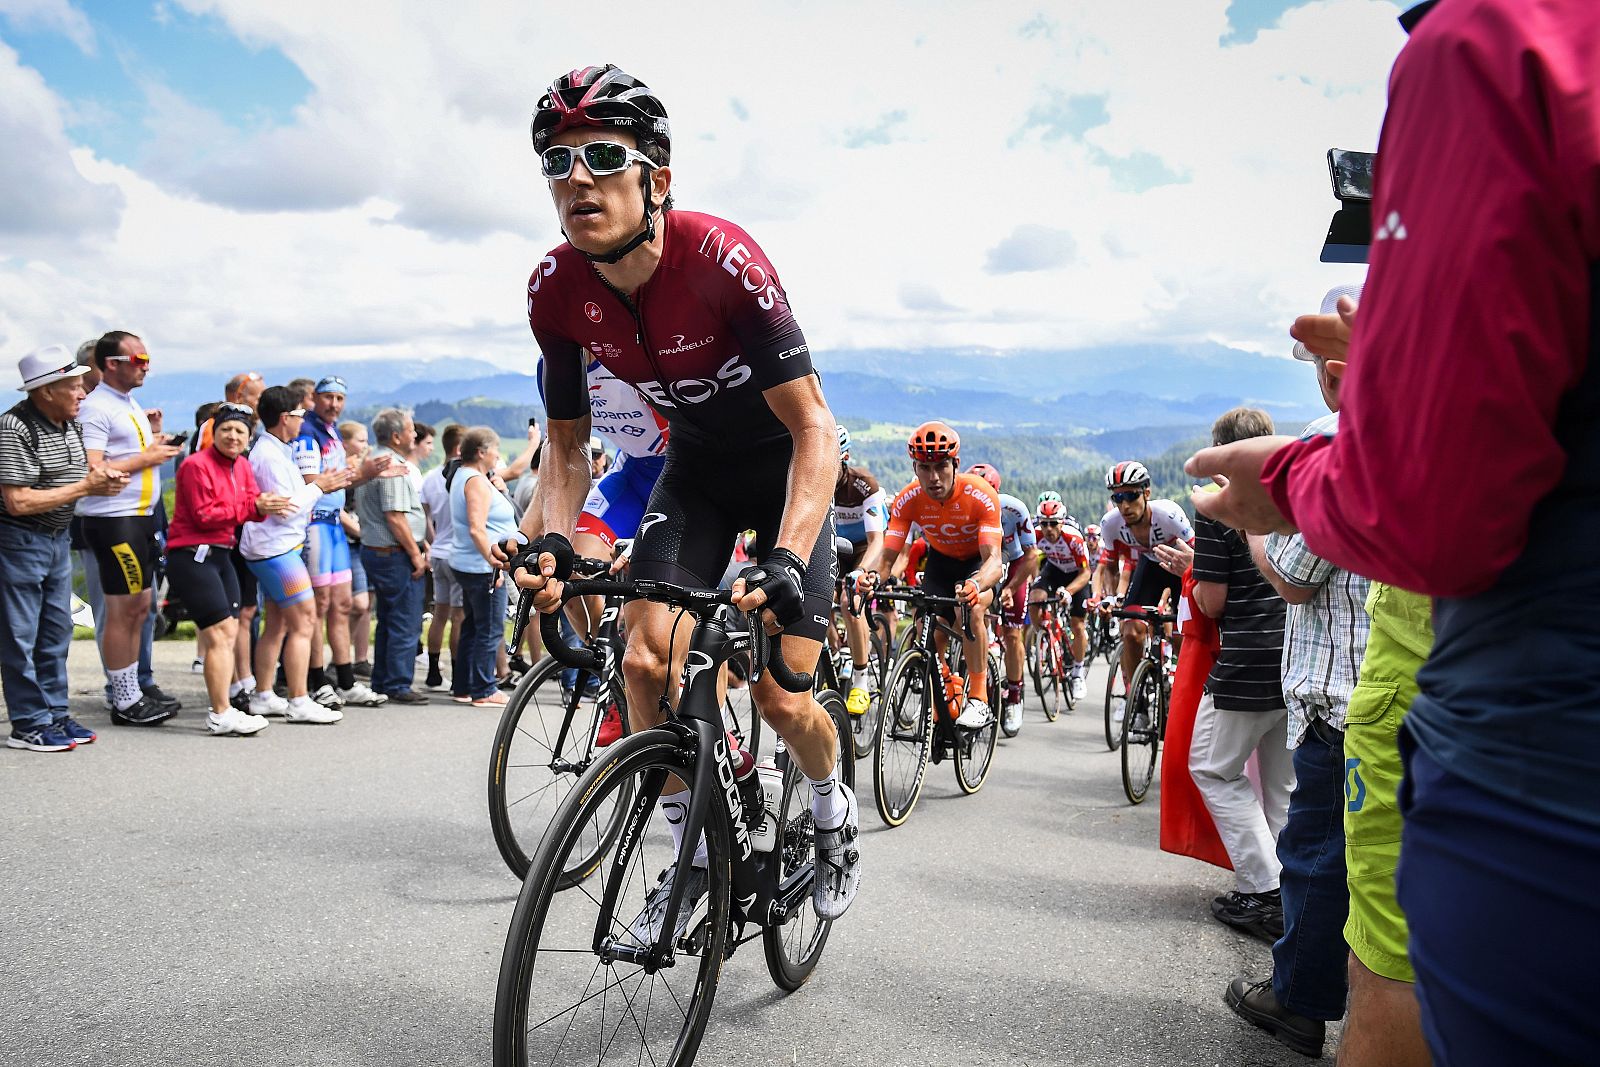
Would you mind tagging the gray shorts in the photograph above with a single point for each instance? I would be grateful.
(446, 590)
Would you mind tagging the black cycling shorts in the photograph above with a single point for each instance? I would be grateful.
(124, 548)
(706, 496)
(249, 588)
(1052, 578)
(208, 588)
(941, 574)
(1149, 579)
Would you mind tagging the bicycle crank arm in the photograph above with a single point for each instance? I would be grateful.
(793, 893)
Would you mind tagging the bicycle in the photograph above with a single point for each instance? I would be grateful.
(1010, 714)
(831, 668)
(572, 972)
(910, 734)
(1048, 656)
(1149, 691)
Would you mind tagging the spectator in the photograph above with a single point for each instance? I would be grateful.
(243, 388)
(216, 494)
(1242, 710)
(44, 471)
(481, 517)
(354, 437)
(446, 593)
(599, 462)
(121, 530)
(272, 549)
(1325, 641)
(320, 450)
(202, 422)
(302, 390)
(393, 542)
(421, 451)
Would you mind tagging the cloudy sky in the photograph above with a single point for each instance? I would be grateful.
(255, 182)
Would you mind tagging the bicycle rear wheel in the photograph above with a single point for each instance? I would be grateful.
(793, 949)
(557, 1001)
(975, 750)
(528, 778)
(1114, 689)
(1141, 733)
(863, 728)
(905, 738)
(1052, 675)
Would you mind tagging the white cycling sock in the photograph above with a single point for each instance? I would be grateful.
(125, 692)
(828, 805)
(247, 684)
(675, 809)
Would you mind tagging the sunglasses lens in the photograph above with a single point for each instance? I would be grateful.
(604, 157)
(557, 162)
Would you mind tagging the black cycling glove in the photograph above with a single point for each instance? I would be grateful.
(553, 543)
(782, 577)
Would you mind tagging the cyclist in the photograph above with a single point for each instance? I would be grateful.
(960, 519)
(687, 309)
(1065, 572)
(1017, 543)
(1129, 533)
(858, 513)
(1091, 540)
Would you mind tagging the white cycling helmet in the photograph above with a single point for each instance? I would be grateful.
(1130, 473)
(844, 442)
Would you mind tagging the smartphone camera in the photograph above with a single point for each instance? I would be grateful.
(1350, 233)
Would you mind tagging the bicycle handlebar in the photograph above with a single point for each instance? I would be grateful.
(919, 598)
(1142, 616)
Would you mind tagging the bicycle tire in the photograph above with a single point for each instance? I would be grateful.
(1030, 657)
(517, 835)
(1050, 668)
(863, 729)
(900, 764)
(536, 975)
(1141, 745)
(1114, 688)
(975, 751)
(795, 847)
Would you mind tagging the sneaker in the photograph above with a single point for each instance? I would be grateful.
(143, 712)
(328, 697)
(610, 727)
(40, 739)
(1080, 688)
(406, 696)
(495, 699)
(434, 682)
(266, 702)
(1119, 710)
(1011, 716)
(162, 700)
(197, 667)
(838, 866)
(646, 926)
(241, 700)
(306, 710)
(1257, 1004)
(360, 696)
(1257, 914)
(858, 702)
(974, 715)
(362, 668)
(234, 721)
(75, 730)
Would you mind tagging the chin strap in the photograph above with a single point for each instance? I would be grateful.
(644, 235)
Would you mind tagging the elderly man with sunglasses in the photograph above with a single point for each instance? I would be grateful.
(121, 530)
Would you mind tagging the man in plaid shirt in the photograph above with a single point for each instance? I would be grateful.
(1325, 639)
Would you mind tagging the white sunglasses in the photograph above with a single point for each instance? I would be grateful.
(600, 157)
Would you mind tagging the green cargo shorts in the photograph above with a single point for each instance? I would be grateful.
(1401, 638)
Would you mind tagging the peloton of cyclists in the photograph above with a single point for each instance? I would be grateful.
(1129, 533)
(1065, 573)
(1022, 563)
(858, 518)
(960, 519)
(687, 309)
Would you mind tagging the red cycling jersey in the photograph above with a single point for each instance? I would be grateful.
(700, 340)
(955, 526)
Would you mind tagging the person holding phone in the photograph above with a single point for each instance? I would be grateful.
(216, 494)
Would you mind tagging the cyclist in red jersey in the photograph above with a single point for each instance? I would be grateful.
(688, 309)
(960, 519)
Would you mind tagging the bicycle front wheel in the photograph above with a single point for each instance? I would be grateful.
(1141, 733)
(905, 738)
(528, 777)
(1054, 677)
(1116, 694)
(557, 1001)
(975, 748)
(863, 728)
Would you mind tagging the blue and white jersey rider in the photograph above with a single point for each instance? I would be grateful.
(1016, 528)
(620, 417)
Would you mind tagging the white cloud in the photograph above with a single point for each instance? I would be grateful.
(57, 15)
(400, 211)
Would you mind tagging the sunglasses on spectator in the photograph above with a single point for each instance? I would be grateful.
(142, 360)
(1126, 498)
(298, 413)
(333, 380)
(600, 157)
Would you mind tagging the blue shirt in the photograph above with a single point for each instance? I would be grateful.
(501, 523)
(318, 450)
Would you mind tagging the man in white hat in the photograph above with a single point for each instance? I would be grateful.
(44, 471)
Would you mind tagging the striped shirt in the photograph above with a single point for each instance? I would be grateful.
(1247, 675)
(115, 424)
(39, 454)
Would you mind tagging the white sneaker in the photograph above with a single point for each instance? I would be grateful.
(234, 721)
(304, 709)
(360, 696)
(267, 703)
(1080, 688)
(326, 696)
(974, 715)
(197, 667)
(1119, 708)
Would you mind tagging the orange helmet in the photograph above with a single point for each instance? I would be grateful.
(987, 473)
(934, 441)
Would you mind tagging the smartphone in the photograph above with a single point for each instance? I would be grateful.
(178, 440)
(1349, 235)
(1351, 175)
(533, 422)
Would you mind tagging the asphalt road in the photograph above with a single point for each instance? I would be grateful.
(332, 896)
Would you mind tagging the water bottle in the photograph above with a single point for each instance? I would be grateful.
(765, 835)
(954, 689)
